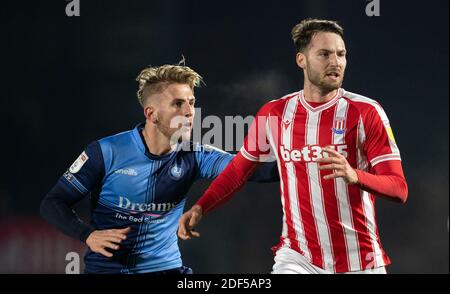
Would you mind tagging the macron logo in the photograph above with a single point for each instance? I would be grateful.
(310, 153)
(127, 172)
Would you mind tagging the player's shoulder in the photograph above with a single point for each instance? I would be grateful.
(364, 104)
(277, 105)
(118, 140)
(359, 100)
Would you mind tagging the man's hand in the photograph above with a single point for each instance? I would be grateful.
(188, 221)
(101, 239)
(340, 166)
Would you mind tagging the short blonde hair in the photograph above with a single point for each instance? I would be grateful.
(155, 79)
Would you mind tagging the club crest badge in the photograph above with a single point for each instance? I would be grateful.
(176, 172)
(339, 126)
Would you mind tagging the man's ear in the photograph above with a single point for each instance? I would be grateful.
(150, 113)
(300, 58)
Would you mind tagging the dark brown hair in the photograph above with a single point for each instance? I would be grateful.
(303, 32)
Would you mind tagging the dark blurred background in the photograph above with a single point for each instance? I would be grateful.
(67, 81)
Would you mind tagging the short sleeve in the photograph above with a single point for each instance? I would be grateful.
(380, 143)
(210, 161)
(87, 171)
(257, 143)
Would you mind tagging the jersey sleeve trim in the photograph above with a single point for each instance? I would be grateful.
(72, 180)
(248, 155)
(385, 157)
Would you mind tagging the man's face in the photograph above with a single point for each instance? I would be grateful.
(325, 61)
(174, 112)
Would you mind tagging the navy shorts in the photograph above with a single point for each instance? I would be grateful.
(184, 270)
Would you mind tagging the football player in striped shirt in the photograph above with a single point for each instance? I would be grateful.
(336, 155)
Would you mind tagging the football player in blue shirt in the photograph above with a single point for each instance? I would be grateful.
(138, 181)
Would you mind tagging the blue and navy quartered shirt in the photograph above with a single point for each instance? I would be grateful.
(132, 188)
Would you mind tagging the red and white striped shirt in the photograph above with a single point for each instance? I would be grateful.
(329, 222)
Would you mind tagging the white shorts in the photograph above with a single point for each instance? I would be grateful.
(288, 261)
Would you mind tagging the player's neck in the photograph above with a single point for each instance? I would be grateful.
(157, 143)
(316, 95)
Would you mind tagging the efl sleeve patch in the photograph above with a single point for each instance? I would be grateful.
(79, 162)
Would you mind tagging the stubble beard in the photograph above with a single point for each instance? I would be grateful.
(173, 135)
(320, 81)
